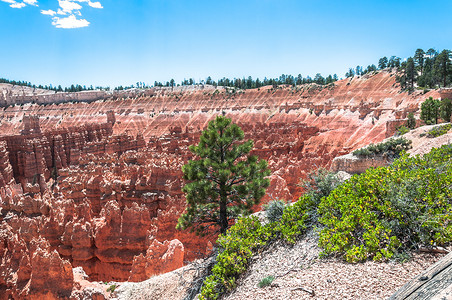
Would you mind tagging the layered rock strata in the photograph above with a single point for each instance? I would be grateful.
(100, 182)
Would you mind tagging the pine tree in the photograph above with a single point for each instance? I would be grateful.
(446, 109)
(410, 73)
(411, 122)
(443, 66)
(224, 182)
(430, 110)
(383, 63)
(419, 59)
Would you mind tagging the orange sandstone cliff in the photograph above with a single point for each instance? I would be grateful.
(94, 180)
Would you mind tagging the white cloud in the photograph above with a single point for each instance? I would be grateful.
(18, 5)
(31, 2)
(67, 7)
(95, 4)
(70, 9)
(69, 22)
(15, 4)
(48, 12)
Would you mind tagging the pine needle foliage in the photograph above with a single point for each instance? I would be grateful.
(224, 182)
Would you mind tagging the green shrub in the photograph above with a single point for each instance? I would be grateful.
(402, 130)
(248, 236)
(293, 221)
(390, 210)
(320, 183)
(243, 240)
(391, 148)
(439, 130)
(237, 247)
(111, 288)
(274, 210)
(266, 281)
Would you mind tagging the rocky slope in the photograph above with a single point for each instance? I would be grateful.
(421, 143)
(97, 184)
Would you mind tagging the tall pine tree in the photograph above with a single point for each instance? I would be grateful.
(224, 181)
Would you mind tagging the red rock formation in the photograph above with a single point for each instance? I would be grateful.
(31, 270)
(160, 258)
(99, 186)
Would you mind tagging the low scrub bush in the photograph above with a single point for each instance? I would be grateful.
(439, 130)
(243, 240)
(274, 210)
(111, 288)
(236, 248)
(381, 214)
(248, 236)
(390, 210)
(392, 148)
(402, 130)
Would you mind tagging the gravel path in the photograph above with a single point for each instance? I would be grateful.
(299, 267)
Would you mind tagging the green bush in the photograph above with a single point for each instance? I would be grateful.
(390, 210)
(402, 130)
(111, 288)
(380, 214)
(243, 240)
(248, 236)
(266, 281)
(320, 183)
(439, 130)
(392, 148)
(293, 221)
(237, 247)
(274, 210)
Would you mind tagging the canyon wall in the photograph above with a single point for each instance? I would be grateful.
(98, 185)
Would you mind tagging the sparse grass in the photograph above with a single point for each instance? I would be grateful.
(266, 281)
(111, 288)
(402, 130)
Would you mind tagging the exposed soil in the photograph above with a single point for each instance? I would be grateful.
(300, 274)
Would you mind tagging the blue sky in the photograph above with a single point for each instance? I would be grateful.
(112, 43)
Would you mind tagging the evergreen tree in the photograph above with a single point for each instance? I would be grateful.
(350, 73)
(419, 59)
(431, 53)
(410, 73)
(224, 182)
(446, 109)
(383, 63)
(430, 110)
(411, 122)
(443, 65)
(319, 79)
